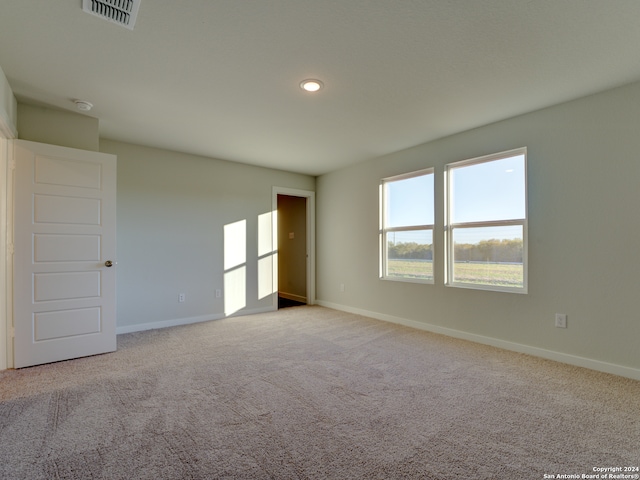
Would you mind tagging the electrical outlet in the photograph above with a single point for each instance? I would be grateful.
(218, 293)
(342, 287)
(181, 297)
(561, 320)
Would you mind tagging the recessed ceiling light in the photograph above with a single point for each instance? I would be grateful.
(83, 106)
(311, 85)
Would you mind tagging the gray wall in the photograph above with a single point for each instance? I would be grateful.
(584, 196)
(8, 108)
(171, 217)
(57, 127)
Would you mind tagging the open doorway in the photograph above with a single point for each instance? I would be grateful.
(292, 251)
(294, 237)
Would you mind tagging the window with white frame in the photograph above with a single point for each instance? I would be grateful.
(486, 222)
(406, 227)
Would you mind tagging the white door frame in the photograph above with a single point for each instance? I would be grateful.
(7, 165)
(4, 331)
(311, 239)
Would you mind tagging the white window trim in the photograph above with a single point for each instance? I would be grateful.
(450, 226)
(384, 231)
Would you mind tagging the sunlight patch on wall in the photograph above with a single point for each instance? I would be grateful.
(235, 271)
(265, 276)
(267, 256)
(265, 234)
(235, 287)
(235, 244)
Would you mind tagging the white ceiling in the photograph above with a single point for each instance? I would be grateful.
(220, 77)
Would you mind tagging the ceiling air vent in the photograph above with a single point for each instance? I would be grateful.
(122, 12)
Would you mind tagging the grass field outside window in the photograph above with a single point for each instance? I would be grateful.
(474, 273)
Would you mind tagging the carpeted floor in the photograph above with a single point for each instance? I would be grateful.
(312, 393)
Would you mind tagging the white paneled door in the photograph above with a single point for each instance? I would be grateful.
(65, 246)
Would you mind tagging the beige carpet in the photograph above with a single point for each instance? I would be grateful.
(312, 393)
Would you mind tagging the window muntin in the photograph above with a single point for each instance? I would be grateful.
(487, 222)
(406, 231)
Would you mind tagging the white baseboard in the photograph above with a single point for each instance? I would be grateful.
(292, 296)
(597, 365)
(140, 327)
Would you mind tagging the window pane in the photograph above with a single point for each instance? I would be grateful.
(488, 191)
(409, 201)
(410, 254)
(489, 256)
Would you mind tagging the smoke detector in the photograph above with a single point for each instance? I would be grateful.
(83, 105)
(122, 12)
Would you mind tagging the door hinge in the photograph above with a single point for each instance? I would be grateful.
(12, 164)
(12, 332)
(10, 249)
